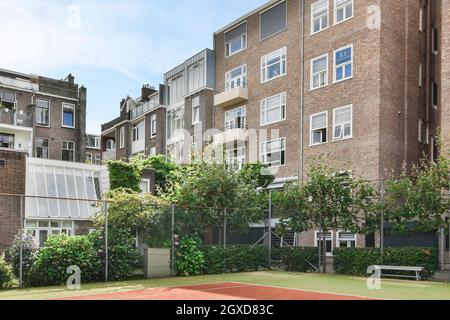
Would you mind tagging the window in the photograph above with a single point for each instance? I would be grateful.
(68, 151)
(175, 123)
(318, 239)
(343, 64)
(93, 142)
(273, 20)
(153, 151)
(273, 153)
(236, 118)
(138, 131)
(68, 115)
(196, 110)
(343, 10)
(41, 230)
(273, 109)
(196, 76)
(273, 65)
(89, 158)
(236, 40)
(342, 123)
(346, 240)
(319, 72)
(434, 149)
(110, 145)
(6, 140)
(41, 148)
(420, 75)
(177, 88)
(42, 112)
(435, 94)
(319, 124)
(144, 185)
(122, 137)
(423, 132)
(98, 160)
(236, 157)
(7, 99)
(435, 41)
(421, 21)
(153, 125)
(236, 78)
(319, 16)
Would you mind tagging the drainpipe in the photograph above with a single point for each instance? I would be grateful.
(428, 61)
(302, 90)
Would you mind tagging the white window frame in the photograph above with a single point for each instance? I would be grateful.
(230, 83)
(231, 123)
(89, 156)
(420, 75)
(434, 44)
(243, 38)
(316, 240)
(147, 182)
(343, 65)
(139, 128)
(122, 137)
(98, 159)
(49, 115)
(153, 125)
(421, 24)
(282, 108)
(338, 239)
(263, 152)
(342, 125)
(311, 140)
(280, 53)
(36, 146)
(238, 160)
(318, 73)
(152, 151)
(345, 18)
(67, 149)
(312, 17)
(196, 107)
(433, 92)
(67, 105)
(34, 231)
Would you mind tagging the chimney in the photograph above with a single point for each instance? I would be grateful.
(70, 79)
(147, 91)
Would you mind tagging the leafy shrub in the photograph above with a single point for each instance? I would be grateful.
(123, 256)
(30, 250)
(355, 261)
(234, 259)
(6, 274)
(189, 258)
(297, 259)
(60, 252)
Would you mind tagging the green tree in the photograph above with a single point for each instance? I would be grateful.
(328, 201)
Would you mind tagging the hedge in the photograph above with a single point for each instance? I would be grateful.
(297, 259)
(355, 261)
(234, 259)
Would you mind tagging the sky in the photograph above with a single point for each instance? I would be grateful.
(112, 47)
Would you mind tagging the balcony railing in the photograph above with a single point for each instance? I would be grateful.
(144, 108)
(16, 118)
(232, 95)
(113, 123)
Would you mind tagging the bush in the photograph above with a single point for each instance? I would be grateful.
(234, 259)
(123, 256)
(189, 258)
(355, 261)
(30, 250)
(60, 252)
(297, 259)
(6, 274)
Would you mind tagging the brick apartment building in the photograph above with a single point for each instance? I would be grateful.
(366, 82)
(42, 154)
(93, 149)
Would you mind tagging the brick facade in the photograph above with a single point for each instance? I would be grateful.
(12, 170)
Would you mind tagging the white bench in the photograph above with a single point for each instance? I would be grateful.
(417, 271)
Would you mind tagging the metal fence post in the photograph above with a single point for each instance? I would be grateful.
(382, 222)
(105, 207)
(21, 242)
(173, 241)
(225, 228)
(270, 228)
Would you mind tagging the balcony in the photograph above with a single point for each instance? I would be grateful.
(16, 118)
(231, 96)
(145, 107)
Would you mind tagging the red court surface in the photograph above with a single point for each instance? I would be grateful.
(218, 291)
